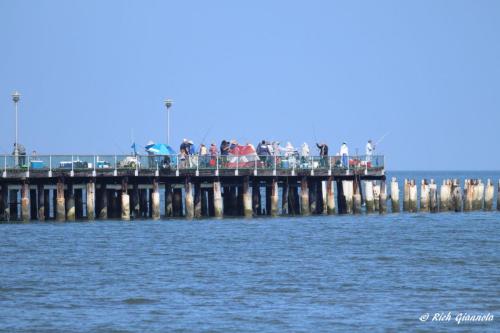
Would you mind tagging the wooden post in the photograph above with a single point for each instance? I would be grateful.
(177, 202)
(25, 202)
(347, 186)
(125, 207)
(395, 208)
(188, 198)
(468, 195)
(61, 206)
(155, 200)
(369, 202)
(91, 199)
(247, 198)
(274, 197)
(256, 204)
(5, 203)
(424, 196)
(320, 203)
(383, 197)
(217, 199)
(304, 196)
(41, 202)
(70, 204)
(356, 197)
(285, 198)
(168, 201)
(103, 204)
(330, 196)
(413, 203)
(479, 195)
(445, 196)
(324, 198)
(197, 199)
(489, 193)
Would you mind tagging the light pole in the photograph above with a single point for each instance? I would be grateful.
(168, 105)
(16, 97)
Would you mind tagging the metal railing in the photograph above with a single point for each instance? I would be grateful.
(104, 163)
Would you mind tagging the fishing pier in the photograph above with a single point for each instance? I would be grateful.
(88, 187)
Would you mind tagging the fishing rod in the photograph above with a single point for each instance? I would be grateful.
(206, 133)
(382, 138)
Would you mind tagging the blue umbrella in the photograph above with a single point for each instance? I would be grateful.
(160, 149)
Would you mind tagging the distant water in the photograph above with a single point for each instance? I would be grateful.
(319, 274)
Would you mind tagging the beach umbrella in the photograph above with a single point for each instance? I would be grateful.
(160, 149)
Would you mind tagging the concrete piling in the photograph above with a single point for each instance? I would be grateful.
(395, 208)
(406, 195)
(13, 204)
(313, 192)
(247, 198)
(304, 196)
(5, 209)
(285, 198)
(356, 197)
(197, 200)
(41, 202)
(445, 196)
(256, 204)
(33, 203)
(347, 187)
(498, 196)
(383, 197)
(143, 203)
(125, 199)
(412, 204)
(177, 202)
(61, 202)
(168, 201)
(70, 204)
(188, 198)
(369, 196)
(155, 200)
(25, 202)
(424, 196)
(218, 209)
(274, 197)
(456, 197)
(433, 201)
(478, 195)
(489, 193)
(376, 196)
(78, 193)
(46, 196)
(204, 202)
(103, 202)
(468, 195)
(330, 196)
(91, 200)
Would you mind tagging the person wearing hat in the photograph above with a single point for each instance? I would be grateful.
(323, 152)
(344, 153)
(369, 150)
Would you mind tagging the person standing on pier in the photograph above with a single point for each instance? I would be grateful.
(304, 155)
(344, 153)
(323, 153)
(369, 151)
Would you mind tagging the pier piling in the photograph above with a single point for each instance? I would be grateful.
(330, 196)
(274, 197)
(369, 201)
(347, 186)
(247, 198)
(5, 209)
(456, 196)
(41, 202)
(218, 209)
(103, 202)
(394, 196)
(61, 202)
(197, 200)
(70, 203)
(25, 202)
(424, 196)
(412, 204)
(445, 196)
(91, 199)
(489, 193)
(433, 201)
(383, 197)
(304, 196)
(168, 201)
(125, 206)
(155, 200)
(376, 196)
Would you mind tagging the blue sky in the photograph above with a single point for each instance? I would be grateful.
(90, 72)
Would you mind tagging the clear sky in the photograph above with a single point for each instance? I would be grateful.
(91, 72)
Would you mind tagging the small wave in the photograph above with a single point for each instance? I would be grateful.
(138, 300)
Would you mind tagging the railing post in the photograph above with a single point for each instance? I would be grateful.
(237, 164)
(217, 165)
(72, 166)
(28, 171)
(274, 171)
(4, 166)
(115, 172)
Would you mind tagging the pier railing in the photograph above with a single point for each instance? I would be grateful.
(191, 162)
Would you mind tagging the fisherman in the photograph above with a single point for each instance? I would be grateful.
(203, 155)
(369, 150)
(21, 153)
(304, 154)
(184, 152)
(213, 154)
(289, 150)
(323, 153)
(344, 153)
(224, 151)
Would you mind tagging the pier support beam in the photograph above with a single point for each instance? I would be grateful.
(274, 197)
(395, 208)
(91, 200)
(347, 186)
(217, 199)
(479, 195)
(383, 197)
(204, 202)
(424, 196)
(125, 206)
(78, 193)
(445, 196)
(143, 203)
(41, 202)
(177, 202)
(456, 197)
(304, 196)
(313, 196)
(356, 197)
(155, 200)
(468, 195)
(330, 196)
(188, 198)
(369, 196)
(256, 198)
(5, 212)
(413, 202)
(61, 201)
(103, 202)
(247, 198)
(70, 204)
(25, 202)
(197, 200)
(285, 198)
(33, 204)
(168, 201)
(433, 197)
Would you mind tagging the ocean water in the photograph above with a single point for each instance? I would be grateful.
(317, 274)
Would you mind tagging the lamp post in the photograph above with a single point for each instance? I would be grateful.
(16, 97)
(168, 105)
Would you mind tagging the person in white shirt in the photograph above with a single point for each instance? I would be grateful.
(344, 153)
(369, 150)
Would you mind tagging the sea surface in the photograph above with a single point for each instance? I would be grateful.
(292, 274)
